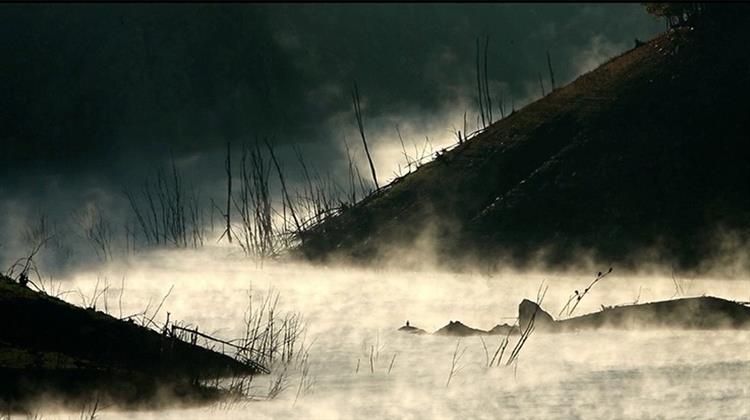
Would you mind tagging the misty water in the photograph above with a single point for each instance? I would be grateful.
(349, 312)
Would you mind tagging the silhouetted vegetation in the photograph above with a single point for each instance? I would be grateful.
(573, 301)
(675, 13)
(98, 231)
(168, 213)
(253, 204)
(55, 348)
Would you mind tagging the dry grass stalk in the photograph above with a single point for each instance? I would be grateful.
(390, 366)
(576, 297)
(529, 328)
(455, 360)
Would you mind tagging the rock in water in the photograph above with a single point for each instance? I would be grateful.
(528, 311)
(412, 330)
(458, 329)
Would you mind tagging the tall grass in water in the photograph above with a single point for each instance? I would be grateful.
(455, 362)
(271, 340)
(573, 301)
(253, 204)
(524, 331)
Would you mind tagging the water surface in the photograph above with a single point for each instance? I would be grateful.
(351, 312)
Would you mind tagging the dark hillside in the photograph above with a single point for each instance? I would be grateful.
(646, 153)
(50, 347)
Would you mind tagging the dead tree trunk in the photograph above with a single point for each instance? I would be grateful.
(360, 124)
(551, 73)
(541, 85)
(284, 191)
(480, 95)
(488, 97)
(228, 216)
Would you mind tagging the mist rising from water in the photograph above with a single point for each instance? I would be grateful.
(348, 311)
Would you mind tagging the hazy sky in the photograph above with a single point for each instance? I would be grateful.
(96, 96)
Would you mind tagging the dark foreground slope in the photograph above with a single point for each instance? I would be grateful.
(53, 349)
(647, 153)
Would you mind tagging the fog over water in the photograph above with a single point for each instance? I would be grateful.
(100, 98)
(348, 311)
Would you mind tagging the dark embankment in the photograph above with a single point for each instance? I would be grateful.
(54, 349)
(647, 154)
(696, 313)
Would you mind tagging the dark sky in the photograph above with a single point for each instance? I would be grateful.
(96, 96)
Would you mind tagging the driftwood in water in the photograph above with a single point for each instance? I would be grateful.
(241, 354)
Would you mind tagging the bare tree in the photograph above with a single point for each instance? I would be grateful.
(480, 91)
(541, 85)
(284, 191)
(130, 237)
(488, 97)
(484, 97)
(197, 220)
(97, 231)
(253, 204)
(403, 149)
(39, 231)
(360, 124)
(501, 105)
(228, 214)
(551, 73)
(162, 210)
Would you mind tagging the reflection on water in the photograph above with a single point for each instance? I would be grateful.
(349, 312)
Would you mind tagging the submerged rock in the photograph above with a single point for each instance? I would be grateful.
(457, 329)
(529, 311)
(503, 329)
(412, 330)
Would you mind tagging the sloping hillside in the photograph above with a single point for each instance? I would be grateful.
(50, 348)
(646, 153)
